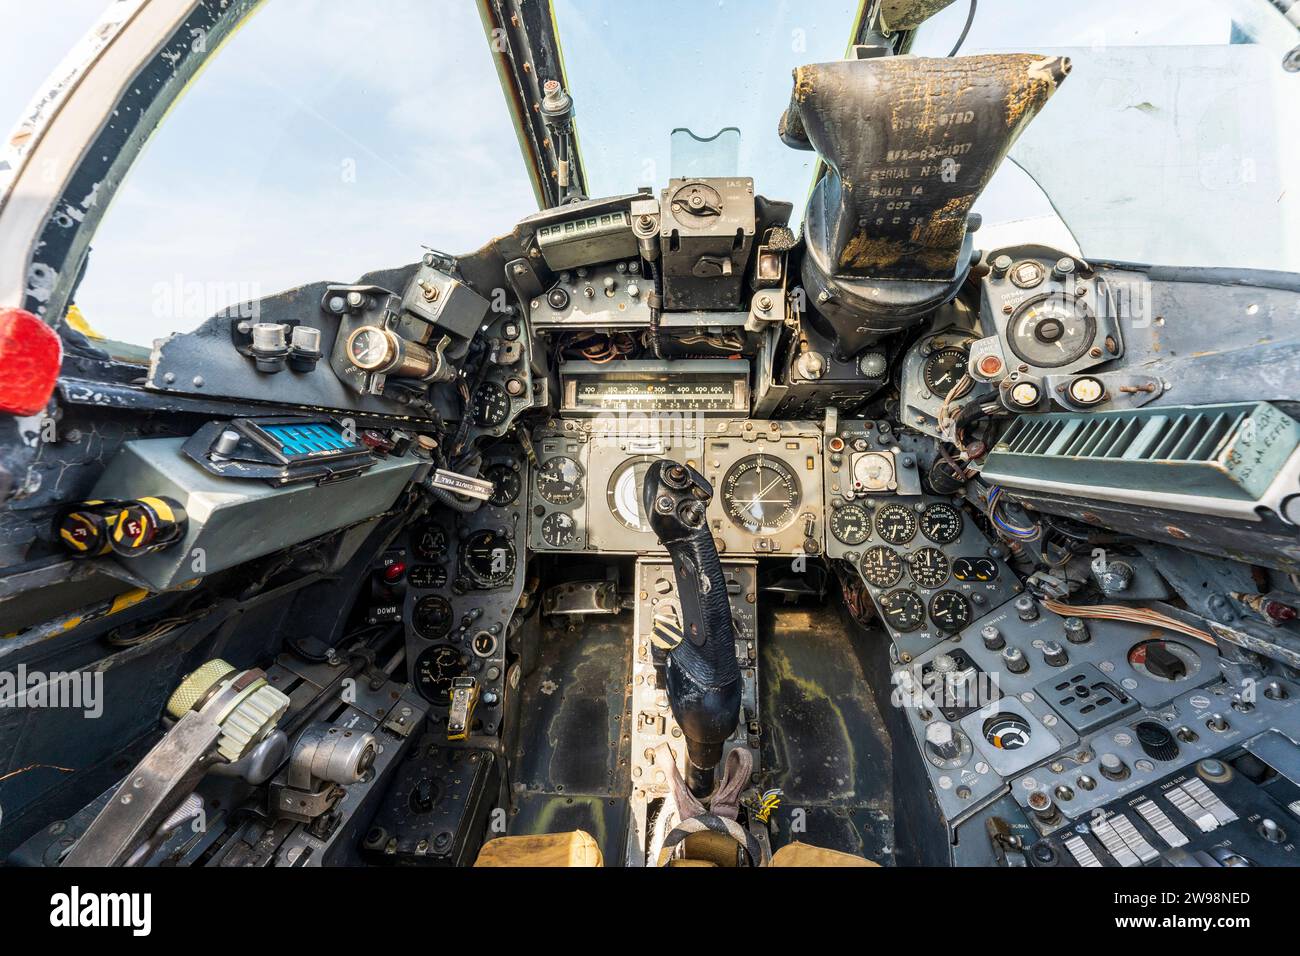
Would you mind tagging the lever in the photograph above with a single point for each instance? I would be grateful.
(702, 676)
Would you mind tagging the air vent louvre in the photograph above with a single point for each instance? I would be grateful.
(1228, 451)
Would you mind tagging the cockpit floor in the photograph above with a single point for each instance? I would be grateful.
(572, 769)
(825, 745)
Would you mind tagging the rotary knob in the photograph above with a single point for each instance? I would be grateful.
(942, 740)
(1026, 609)
(1054, 654)
(1076, 630)
(992, 637)
(1013, 659)
(1157, 742)
(247, 708)
(943, 664)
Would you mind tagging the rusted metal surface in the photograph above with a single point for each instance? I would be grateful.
(908, 14)
(911, 143)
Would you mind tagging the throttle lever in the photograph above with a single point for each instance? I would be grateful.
(702, 677)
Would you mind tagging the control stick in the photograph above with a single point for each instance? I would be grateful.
(702, 676)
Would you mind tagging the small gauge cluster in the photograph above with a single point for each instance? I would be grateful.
(930, 570)
(463, 584)
(1049, 317)
(934, 375)
(558, 495)
(505, 389)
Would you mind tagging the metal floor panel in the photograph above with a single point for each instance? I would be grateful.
(825, 744)
(572, 769)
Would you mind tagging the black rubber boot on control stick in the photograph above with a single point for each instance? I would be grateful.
(702, 676)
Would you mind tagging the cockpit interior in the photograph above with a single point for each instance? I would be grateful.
(912, 480)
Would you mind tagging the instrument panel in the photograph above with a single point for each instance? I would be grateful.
(461, 589)
(1047, 317)
(767, 480)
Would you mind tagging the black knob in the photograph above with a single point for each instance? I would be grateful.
(423, 795)
(1156, 742)
(1165, 663)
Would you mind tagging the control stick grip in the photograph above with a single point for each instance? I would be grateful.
(702, 676)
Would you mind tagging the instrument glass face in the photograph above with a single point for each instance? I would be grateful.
(941, 523)
(761, 494)
(882, 566)
(1050, 331)
(950, 611)
(428, 576)
(488, 559)
(430, 542)
(902, 610)
(491, 405)
(944, 369)
(896, 523)
(559, 480)
(435, 669)
(929, 567)
(432, 617)
(369, 348)
(559, 529)
(623, 493)
(506, 485)
(977, 570)
(1007, 731)
(850, 524)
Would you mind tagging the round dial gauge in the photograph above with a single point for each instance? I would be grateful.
(491, 405)
(896, 523)
(505, 484)
(560, 480)
(1007, 731)
(944, 368)
(761, 494)
(929, 567)
(432, 617)
(975, 570)
(430, 542)
(850, 524)
(1051, 330)
(435, 669)
(558, 529)
(371, 348)
(623, 493)
(882, 567)
(902, 610)
(941, 523)
(427, 576)
(487, 559)
(950, 611)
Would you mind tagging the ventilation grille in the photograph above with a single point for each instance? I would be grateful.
(1193, 436)
(1228, 451)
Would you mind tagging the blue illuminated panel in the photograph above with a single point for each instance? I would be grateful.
(312, 438)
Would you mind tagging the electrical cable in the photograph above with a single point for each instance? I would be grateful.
(970, 19)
